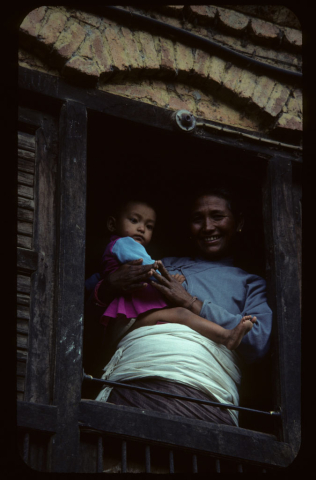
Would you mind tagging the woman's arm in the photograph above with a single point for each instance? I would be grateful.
(128, 277)
(256, 343)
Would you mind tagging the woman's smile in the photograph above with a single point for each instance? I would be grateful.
(211, 242)
(211, 239)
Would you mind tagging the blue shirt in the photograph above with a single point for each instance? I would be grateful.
(127, 249)
(228, 293)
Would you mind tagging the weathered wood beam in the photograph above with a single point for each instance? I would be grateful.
(35, 416)
(129, 109)
(283, 278)
(70, 283)
(182, 432)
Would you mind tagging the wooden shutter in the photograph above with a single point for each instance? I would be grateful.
(25, 229)
(36, 246)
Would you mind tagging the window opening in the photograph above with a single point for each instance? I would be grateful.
(122, 153)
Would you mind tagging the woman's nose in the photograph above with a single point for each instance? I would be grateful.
(208, 224)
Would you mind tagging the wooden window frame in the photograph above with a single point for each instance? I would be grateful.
(69, 413)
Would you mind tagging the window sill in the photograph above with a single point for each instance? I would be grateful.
(223, 440)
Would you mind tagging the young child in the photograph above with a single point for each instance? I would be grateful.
(132, 228)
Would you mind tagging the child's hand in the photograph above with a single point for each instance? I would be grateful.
(171, 289)
(131, 276)
(180, 278)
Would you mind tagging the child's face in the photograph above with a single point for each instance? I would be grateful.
(136, 221)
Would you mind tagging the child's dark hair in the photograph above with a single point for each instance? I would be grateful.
(121, 202)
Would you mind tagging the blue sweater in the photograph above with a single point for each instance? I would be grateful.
(228, 293)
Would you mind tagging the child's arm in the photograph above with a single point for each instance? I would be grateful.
(127, 249)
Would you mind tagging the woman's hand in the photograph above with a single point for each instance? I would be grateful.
(131, 275)
(172, 290)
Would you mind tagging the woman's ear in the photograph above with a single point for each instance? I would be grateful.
(240, 224)
(111, 224)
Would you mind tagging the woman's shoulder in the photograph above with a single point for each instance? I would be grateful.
(249, 277)
(226, 265)
(177, 261)
(191, 265)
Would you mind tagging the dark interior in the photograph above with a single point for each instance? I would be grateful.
(126, 156)
(123, 155)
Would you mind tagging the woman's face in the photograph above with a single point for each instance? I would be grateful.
(213, 226)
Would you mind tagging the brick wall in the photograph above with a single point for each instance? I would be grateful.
(97, 52)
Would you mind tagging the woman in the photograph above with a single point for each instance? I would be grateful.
(173, 358)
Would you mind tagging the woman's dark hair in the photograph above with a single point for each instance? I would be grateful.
(229, 194)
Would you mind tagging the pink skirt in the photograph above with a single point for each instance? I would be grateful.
(133, 304)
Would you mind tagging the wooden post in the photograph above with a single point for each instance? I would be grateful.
(70, 284)
(283, 277)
